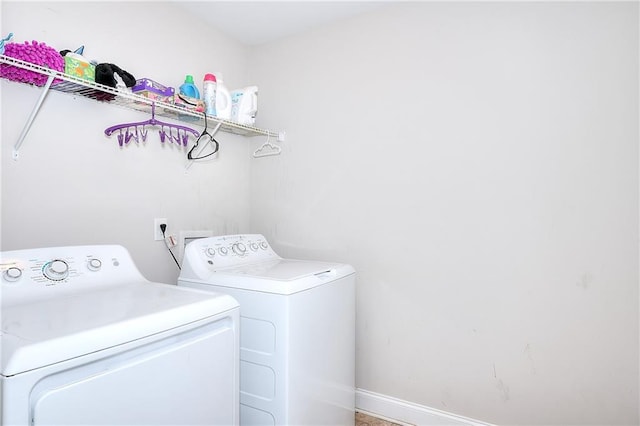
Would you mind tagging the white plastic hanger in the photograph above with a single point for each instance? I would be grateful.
(267, 149)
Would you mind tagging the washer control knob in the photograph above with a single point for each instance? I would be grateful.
(223, 251)
(264, 245)
(12, 274)
(239, 249)
(56, 270)
(254, 246)
(210, 252)
(94, 264)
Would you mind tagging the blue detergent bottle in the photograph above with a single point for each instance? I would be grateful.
(189, 89)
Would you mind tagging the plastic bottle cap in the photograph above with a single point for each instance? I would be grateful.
(209, 77)
(188, 79)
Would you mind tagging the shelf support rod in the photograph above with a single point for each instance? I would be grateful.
(32, 117)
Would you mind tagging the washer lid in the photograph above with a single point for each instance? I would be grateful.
(281, 276)
(49, 331)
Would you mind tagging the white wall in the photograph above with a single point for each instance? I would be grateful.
(478, 164)
(72, 184)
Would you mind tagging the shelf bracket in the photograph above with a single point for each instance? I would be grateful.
(36, 108)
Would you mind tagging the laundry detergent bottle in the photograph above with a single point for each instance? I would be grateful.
(244, 105)
(223, 100)
(189, 89)
(209, 88)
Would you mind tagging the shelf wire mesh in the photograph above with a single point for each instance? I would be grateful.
(76, 86)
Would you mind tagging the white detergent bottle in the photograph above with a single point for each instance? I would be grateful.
(209, 86)
(244, 105)
(223, 99)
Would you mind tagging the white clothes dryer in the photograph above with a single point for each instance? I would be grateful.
(297, 329)
(86, 340)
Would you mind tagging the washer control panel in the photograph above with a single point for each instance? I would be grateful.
(227, 251)
(34, 274)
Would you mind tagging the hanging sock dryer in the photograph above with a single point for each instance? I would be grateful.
(138, 130)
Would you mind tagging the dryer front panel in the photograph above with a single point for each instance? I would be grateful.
(188, 377)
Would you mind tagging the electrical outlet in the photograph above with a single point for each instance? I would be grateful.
(157, 232)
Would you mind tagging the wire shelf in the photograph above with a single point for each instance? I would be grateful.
(76, 86)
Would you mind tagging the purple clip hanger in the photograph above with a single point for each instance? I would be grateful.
(152, 122)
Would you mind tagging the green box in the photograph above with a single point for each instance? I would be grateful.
(78, 68)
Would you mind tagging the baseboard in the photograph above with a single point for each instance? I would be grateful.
(408, 413)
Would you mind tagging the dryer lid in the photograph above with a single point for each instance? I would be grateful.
(281, 269)
(49, 331)
(281, 276)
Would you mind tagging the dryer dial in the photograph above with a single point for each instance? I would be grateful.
(94, 264)
(56, 270)
(239, 249)
(12, 274)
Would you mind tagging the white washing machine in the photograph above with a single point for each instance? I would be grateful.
(297, 329)
(87, 340)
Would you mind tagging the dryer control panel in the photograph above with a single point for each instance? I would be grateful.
(207, 255)
(33, 274)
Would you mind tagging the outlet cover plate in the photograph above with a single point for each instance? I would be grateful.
(157, 232)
